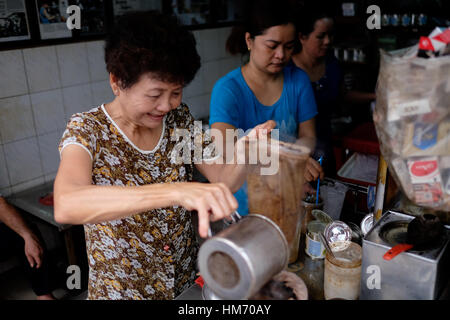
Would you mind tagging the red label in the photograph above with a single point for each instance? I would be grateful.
(423, 168)
(444, 36)
(425, 44)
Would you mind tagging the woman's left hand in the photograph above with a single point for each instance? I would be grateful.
(313, 170)
(262, 129)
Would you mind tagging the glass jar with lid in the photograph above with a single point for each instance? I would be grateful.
(342, 274)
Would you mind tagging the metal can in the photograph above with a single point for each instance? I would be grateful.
(314, 247)
(345, 55)
(394, 20)
(423, 19)
(406, 20)
(385, 20)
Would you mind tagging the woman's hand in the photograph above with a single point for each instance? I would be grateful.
(262, 129)
(212, 201)
(313, 170)
(33, 251)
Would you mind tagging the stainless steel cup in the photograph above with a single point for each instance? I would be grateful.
(239, 260)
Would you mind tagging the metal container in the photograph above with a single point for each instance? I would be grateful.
(238, 261)
(307, 208)
(314, 246)
(208, 294)
(412, 275)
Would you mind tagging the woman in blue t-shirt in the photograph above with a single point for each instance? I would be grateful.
(263, 89)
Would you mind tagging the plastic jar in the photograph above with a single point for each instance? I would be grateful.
(342, 274)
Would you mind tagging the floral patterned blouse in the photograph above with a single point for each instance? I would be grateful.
(150, 255)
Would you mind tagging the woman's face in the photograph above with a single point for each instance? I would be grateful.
(149, 100)
(271, 51)
(318, 42)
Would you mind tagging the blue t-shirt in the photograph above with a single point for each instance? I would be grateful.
(233, 102)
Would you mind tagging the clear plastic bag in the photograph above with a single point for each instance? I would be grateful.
(333, 195)
(412, 120)
(278, 196)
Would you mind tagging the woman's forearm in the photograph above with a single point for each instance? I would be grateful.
(95, 204)
(13, 219)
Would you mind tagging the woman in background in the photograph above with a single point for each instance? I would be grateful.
(315, 33)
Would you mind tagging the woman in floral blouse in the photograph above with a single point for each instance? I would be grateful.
(126, 165)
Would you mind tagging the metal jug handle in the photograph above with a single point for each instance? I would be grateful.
(235, 217)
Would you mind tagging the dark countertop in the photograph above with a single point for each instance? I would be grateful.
(193, 293)
(28, 201)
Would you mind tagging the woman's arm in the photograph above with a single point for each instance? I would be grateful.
(229, 172)
(77, 201)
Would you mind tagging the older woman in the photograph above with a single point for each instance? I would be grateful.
(126, 165)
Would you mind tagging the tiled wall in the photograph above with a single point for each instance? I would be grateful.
(40, 88)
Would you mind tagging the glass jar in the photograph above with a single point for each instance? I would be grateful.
(342, 274)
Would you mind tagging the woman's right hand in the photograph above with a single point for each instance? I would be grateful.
(212, 201)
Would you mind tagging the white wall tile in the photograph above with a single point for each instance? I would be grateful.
(16, 120)
(223, 34)
(211, 48)
(48, 111)
(5, 192)
(96, 61)
(212, 72)
(19, 187)
(13, 81)
(77, 99)
(198, 39)
(50, 177)
(199, 106)
(23, 160)
(227, 65)
(73, 64)
(42, 69)
(48, 148)
(196, 87)
(4, 179)
(101, 93)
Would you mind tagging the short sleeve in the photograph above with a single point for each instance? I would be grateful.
(306, 107)
(224, 105)
(201, 145)
(79, 131)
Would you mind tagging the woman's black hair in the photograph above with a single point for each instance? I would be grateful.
(143, 42)
(310, 12)
(259, 15)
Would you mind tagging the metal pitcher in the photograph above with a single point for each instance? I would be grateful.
(239, 260)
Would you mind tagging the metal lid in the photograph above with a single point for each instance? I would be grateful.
(367, 223)
(321, 216)
(338, 232)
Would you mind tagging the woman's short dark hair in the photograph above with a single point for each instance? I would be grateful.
(143, 42)
(259, 15)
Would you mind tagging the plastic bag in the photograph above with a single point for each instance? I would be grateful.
(412, 120)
